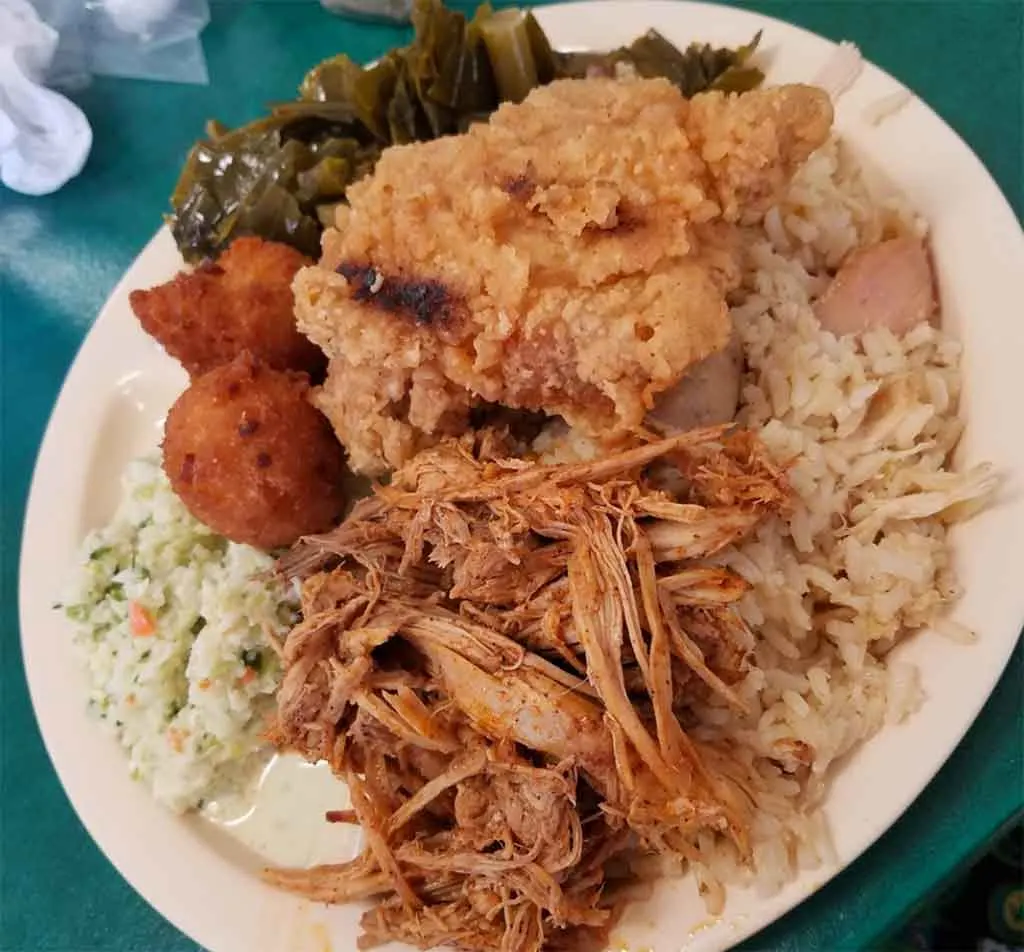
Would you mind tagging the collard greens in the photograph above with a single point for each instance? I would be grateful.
(281, 176)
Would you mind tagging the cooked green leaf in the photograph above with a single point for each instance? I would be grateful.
(511, 46)
(697, 69)
(253, 658)
(281, 176)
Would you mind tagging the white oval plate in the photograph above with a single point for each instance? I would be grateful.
(122, 383)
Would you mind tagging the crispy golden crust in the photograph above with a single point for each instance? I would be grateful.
(206, 317)
(752, 144)
(251, 457)
(572, 257)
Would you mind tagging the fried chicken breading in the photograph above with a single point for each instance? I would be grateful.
(572, 256)
(242, 302)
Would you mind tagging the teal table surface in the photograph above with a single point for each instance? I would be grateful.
(61, 255)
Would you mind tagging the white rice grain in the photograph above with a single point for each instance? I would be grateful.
(865, 428)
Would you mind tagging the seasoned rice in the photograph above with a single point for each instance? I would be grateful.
(867, 427)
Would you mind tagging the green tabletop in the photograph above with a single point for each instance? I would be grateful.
(61, 255)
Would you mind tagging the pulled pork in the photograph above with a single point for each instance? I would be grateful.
(497, 658)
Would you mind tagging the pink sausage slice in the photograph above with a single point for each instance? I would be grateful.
(885, 285)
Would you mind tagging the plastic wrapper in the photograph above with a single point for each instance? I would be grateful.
(135, 39)
(383, 11)
(69, 68)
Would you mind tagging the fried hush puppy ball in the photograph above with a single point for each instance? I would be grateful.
(252, 458)
(242, 302)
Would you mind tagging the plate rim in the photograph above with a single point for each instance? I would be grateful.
(658, 9)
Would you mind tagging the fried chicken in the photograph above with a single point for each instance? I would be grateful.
(242, 302)
(572, 256)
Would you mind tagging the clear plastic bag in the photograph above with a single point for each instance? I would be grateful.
(69, 68)
(136, 39)
(381, 11)
(148, 39)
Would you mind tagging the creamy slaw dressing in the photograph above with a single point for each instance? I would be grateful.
(282, 818)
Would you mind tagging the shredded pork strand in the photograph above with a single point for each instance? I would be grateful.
(497, 657)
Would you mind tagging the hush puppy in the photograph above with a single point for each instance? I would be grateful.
(252, 458)
(243, 301)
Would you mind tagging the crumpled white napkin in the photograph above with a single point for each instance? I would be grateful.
(44, 137)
